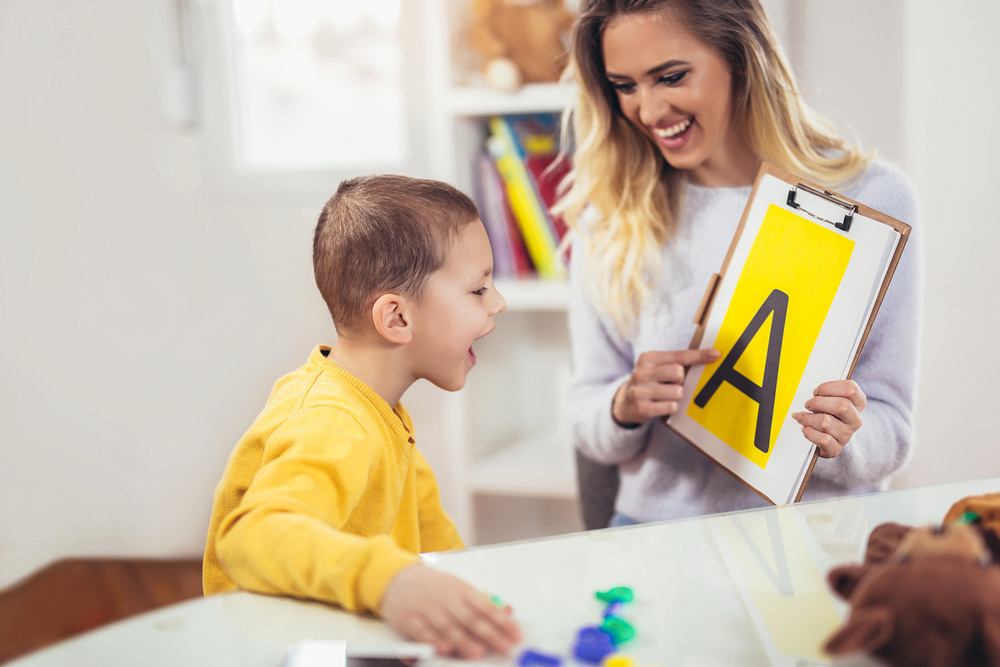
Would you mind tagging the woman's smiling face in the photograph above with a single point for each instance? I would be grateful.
(677, 91)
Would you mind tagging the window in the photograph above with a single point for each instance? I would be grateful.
(317, 85)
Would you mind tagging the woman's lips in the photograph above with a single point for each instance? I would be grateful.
(675, 135)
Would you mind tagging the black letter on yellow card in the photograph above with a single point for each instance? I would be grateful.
(776, 304)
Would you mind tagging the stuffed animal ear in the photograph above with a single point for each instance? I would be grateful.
(843, 579)
(884, 540)
(867, 630)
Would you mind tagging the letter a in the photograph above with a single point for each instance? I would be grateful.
(776, 305)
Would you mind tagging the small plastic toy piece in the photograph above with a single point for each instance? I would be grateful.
(532, 658)
(498, 601)
(613, 609)
(618, 660)
(592, 645)
(967, 518)
(618, 629)
(617, 594)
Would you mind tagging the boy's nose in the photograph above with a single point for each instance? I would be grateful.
(501, 303)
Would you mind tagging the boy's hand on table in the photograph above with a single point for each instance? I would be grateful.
(430, 606)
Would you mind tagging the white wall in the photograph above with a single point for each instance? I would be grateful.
(918, 81)
(952, 100)
(145, 312)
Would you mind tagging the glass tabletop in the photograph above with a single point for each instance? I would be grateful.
(744, 588)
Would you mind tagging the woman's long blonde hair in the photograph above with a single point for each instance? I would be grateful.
(634, 193)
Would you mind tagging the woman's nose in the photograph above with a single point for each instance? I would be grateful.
(651, 106)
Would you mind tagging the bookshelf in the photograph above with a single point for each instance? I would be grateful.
(506, 467)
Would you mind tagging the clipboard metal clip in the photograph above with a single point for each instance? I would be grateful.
(822, 209)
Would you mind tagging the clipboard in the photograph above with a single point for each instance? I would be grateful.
(791, 307)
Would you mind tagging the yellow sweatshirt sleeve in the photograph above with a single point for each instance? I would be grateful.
(437, 530)
(285, 536)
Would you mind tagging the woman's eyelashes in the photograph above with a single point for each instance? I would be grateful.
(673, 79)
(627, 87)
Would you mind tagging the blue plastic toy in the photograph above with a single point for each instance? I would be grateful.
(592, 645)
(532, 658)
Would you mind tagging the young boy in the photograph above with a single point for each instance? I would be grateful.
(326, 497)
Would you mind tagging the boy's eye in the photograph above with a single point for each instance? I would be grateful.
(479, 292)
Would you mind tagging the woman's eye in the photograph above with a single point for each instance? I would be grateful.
(625, 88)
(673, 79)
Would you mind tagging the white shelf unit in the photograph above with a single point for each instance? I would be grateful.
(506, 471)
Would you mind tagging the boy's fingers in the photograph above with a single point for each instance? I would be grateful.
(443, 622)
(492, 625)
(421, 630)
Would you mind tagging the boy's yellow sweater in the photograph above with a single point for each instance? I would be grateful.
(326, 497)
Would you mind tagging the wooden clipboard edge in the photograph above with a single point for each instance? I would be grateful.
(709, 299)
(904, 235)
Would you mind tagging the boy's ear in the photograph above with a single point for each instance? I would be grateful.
(391, 316)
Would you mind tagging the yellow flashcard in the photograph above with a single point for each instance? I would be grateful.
(781, 299)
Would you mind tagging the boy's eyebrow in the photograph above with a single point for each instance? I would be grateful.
(653, 70)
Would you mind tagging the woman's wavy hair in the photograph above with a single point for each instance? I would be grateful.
(623, 197)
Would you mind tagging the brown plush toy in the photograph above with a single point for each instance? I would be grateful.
(520, 41)
(986, 519)
(923, 596)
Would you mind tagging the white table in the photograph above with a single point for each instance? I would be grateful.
(733, 589)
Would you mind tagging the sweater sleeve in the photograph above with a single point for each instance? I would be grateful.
(887, 368)
(285, 536)
(601, 363)
(437, 530)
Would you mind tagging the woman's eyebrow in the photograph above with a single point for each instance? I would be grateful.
(653, 70)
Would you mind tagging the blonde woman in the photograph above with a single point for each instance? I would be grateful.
(679, 102)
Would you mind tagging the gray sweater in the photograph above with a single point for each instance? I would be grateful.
(664, 477)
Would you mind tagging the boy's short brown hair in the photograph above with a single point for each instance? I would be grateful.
(383, 233)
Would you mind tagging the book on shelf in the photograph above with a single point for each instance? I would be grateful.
(521, 189)
(510, 257)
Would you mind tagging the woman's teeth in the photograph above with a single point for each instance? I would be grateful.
(673, 130)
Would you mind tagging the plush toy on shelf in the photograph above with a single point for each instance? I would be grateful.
(520, 41)
(926, 596)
